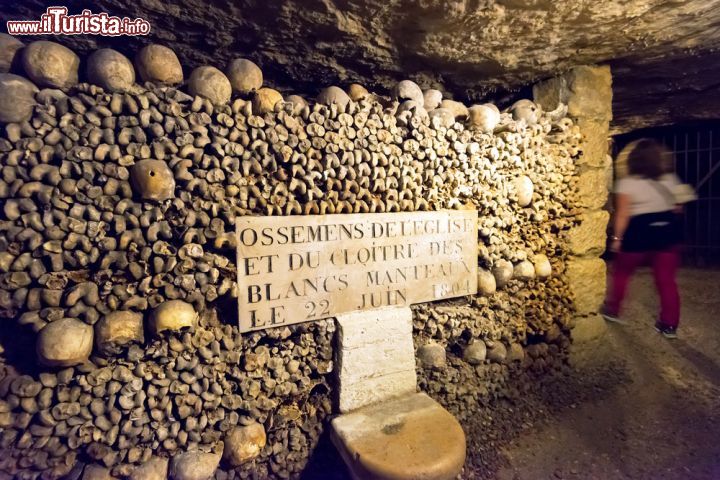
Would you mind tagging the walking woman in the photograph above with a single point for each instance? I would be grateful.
(647, 228)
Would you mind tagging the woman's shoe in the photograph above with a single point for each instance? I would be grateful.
(665, 331)
(611, 317)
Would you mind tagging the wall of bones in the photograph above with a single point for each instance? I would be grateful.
(121, 353)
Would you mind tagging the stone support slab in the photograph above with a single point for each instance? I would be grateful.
(375, 357)
(587, 92)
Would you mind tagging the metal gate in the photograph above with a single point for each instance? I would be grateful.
(696, 151)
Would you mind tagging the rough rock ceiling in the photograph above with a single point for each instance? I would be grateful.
(663, 52)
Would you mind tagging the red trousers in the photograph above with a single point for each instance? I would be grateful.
(664, 265)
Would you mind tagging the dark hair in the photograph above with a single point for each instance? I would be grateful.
(649, 159)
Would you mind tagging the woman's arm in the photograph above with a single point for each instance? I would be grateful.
(622, 218)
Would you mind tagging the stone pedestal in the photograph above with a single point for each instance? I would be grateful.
(387, 431)
(587, 91)
(407, 438)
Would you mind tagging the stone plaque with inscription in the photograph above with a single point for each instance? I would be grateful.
(301, 268)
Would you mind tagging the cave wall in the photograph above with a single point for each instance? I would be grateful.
(78, 242)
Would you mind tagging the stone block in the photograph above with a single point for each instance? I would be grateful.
(381, 359)
(593, 185)
(587, 91)
(373, 390)
(595, 135)
(588, 328)
(589, 237)
(591, 92)
(358, 329)
(375, 356)
(586, 279)
(412, 437)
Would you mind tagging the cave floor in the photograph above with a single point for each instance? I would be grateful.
(662, 422)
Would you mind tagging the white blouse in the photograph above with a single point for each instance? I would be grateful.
(646, 197)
